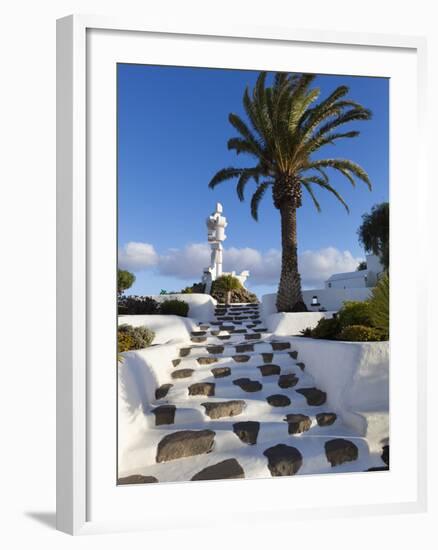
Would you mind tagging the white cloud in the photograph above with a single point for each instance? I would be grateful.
(136, 256)
(187, 263)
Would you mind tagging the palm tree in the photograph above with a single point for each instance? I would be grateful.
(286, 127)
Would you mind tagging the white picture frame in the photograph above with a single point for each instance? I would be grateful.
(76, 214)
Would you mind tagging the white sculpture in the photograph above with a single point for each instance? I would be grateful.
(216, 224)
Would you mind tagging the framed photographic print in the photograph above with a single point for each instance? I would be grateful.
(239, 275)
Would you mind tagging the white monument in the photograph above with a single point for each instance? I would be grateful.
(216, 224)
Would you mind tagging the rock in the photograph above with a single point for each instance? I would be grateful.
(247, 431)
(204, 327)
(198, 339)
(215, 332)
(215, 349)
(240, 331)
(227, 469)
(287, 380)
(198, 333)
(278, 400)
(241, 358)
(298, 423)
(267, 357)
(207, 360)
(162, 391)
(256, 322)
(283, 460)
(176, 362)
(221, 372)
(255, 336)
(183, 352)
(248, 385)
(302, 366)
(280, 346)
(223, 408)
(378, 469)
(326, 419)
(269, 370)
(225, 337)
(164, 414)
(385, 454)
(229, 328)
(339, 451)
(185, 443)
(244, 347)
(136, 479)
(202, 388)
(293, 354)
(260, 330)
(314, 397)
(182, 373)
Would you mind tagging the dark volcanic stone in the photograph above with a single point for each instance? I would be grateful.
(198, 333)
(260, 329)
(298, 423)
(287, 380)
(176, 362)
(241, 358)
(215, 332)
(283, 460)
(278, 400)
(202, 388)
(221, 372)
(136, 479)
(164, 414)
(229, 328)
(325, 419)
(280, 346)
(227, 469)
(185, 443)
(378, 469)
(204, 327)
(198, 339)
(339, 451)
(255, 336)
(182, 373)
(313, 396)
(240, 331)
(162, 391)
(247, 431)
(385, 454)
(267, 357)
(244, 347)
(225, 337)
(215, 349)
(183, 352)
(207, 360)
(293, 354)
(302, 366)
(223, 408)
(248, 385)
(269, 370)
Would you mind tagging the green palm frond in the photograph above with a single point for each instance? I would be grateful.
(333, 191)
(285, 123)
(257, 197)
(308, 188)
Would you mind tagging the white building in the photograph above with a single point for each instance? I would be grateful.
(365, 278)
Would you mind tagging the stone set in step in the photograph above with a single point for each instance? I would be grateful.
(238, 324)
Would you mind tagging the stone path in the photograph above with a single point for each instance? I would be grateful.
(239, 403)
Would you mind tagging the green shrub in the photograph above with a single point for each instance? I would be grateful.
(354, 313)
(359, 333)
(125, 342)
(137, 305)
(307, 332)
(327, 329)
(131, 338)
(196, 288)
(174, 307)
(379, 306)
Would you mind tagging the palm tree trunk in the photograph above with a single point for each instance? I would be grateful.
(289, 297)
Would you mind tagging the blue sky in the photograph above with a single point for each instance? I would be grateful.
(172, 137)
